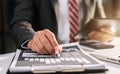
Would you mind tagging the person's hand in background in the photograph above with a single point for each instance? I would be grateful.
(98, 29)
(44, 42)
(103, 35)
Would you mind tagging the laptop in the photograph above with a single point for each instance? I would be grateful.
(72, 59)
(109, 51)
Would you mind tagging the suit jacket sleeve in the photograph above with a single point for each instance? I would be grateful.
(100, 9)
(21, 27)
(92, 9)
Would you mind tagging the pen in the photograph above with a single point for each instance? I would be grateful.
(57, 53)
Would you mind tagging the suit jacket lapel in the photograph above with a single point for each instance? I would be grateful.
(56, 8)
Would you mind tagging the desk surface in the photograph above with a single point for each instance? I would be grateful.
(6, 58)
(5, 61)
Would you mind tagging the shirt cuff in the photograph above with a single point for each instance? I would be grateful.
(24, 44)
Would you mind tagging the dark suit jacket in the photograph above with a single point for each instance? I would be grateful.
(41, 14)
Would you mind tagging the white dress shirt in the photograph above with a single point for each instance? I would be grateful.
(63, 22)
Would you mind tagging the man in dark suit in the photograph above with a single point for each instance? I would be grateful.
(35, 23)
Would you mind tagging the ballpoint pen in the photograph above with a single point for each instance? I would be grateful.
(57, 52)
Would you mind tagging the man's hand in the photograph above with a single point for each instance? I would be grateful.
(44, 42)
(103, 35)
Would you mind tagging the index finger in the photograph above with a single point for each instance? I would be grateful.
(51, 38)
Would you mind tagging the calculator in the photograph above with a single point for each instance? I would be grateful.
(72, 59)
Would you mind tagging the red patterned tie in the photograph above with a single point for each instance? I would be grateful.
(73, 18)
